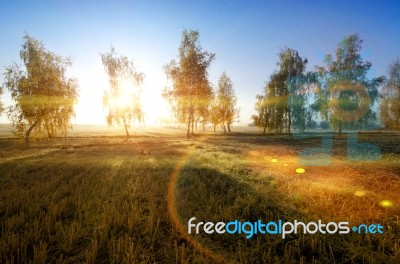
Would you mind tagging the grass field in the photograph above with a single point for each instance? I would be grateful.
(98, 198)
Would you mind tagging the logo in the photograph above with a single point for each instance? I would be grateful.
(279, 228)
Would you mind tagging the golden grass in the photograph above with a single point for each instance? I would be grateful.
(110, 200)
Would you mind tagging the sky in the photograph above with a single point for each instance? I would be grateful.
(245, 36)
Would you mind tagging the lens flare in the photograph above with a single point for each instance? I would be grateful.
(300, 170)
(173, 213)
(386, 203)
(274, 160)
(359, 193)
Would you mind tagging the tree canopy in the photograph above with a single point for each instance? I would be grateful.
(343, 94)
(43, 96)
(346, 96)
(122, 102)
(190, 94)
(273, 107)
(226, 110)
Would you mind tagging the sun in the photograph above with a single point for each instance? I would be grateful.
(126, 94)
(155, 107)
(147, 96)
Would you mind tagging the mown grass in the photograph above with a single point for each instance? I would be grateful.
(108, 200)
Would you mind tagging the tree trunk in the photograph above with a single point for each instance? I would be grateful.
(215, 127)
(188, 127)
(340, 127)
(48, 130)
(223, 125)
(28, 132)
(290, 121)
(265, 128)
(192, 126)
(229, 128)
(126, 128)
(204, 127)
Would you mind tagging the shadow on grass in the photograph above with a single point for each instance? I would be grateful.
(210, 195)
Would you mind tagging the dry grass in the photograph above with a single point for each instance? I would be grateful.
(105, 200)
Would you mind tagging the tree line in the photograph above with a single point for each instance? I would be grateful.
(338, 93)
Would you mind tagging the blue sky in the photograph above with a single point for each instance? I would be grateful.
(245, 35)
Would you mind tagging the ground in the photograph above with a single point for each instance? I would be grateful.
(101, 198)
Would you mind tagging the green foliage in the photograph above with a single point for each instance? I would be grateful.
(344, 85)
(191, 93)
(123, 106)
(263, 118)
(301, 89)
(225, 110)
(43, 96)
(390, 103)
(214, 116)
(273, 108)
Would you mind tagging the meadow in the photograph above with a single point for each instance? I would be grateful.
(102, 198)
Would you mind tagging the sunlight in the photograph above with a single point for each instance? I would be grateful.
(127, 87)
(90, 110)
(124, 100)
(127, 91)
(155, 107)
